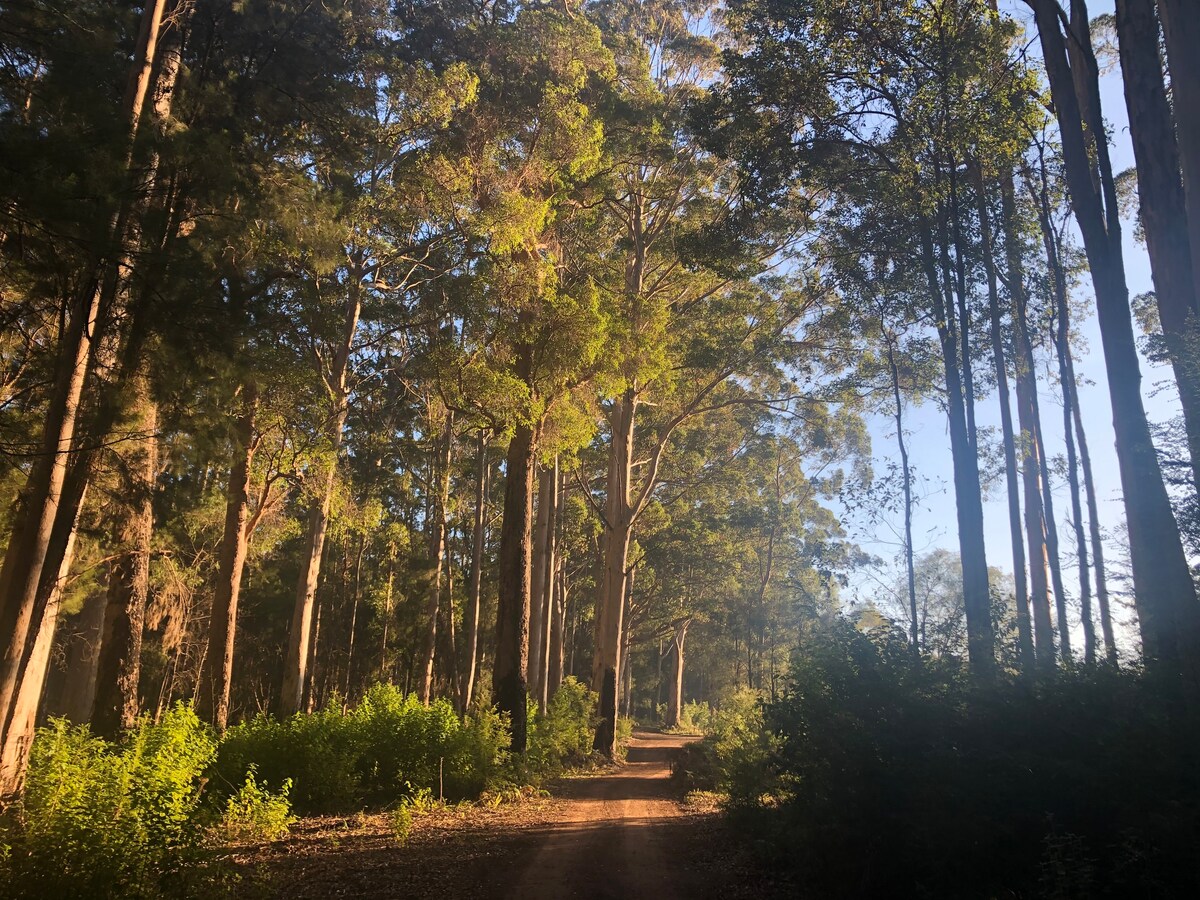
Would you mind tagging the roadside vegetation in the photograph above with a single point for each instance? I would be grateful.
(877, 773)
(156, 813)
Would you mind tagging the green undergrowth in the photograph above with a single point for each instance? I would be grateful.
(876, 774)
(155, 814)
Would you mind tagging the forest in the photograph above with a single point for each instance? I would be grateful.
(427, 425)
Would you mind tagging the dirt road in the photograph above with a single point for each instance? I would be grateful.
(615, 836)
(619, 834)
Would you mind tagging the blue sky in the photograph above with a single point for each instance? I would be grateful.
(934, 523)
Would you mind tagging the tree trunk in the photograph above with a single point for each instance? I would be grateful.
(14, 754)
(21, 609)
(1163, 207)
(554, 672)
(546, 480)
(295, 676)
(358, 561)
(1181, 32)
(617, 524)
(475, 583)
(1025, 383)
(1052, 551)
(1163, 589)
(439, 476)
(675, 697)
(902, 444)
(546, 601)
(216, 673)
(119, 667)
(1012, 477)
(1089, 486)
(1081, 551)
(967, 489)
(509, 686)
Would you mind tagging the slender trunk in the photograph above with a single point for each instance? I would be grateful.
(546, 602)
(1026, 384)
(1164, 215)
(385, 673)
(1012, 477)
(509, 686)
(617, 524)
(474, 586)
(1163, 589)
(675, 698)
(216, 673)
(1031, 471)
(1181, 32)
(296, 673)
(1081, 551)
(554, 672)
(626, 642)
(909, 561)
(358, 561)
(119, 667)
(1089, 486)
(1052, 551)
(537, 591)
(967, 489)
(439, 476)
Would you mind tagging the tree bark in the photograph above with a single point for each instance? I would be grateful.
(1181, 32)
(475, 582)
(675, 697)
(1163, 589)
(902, 444)
(967, 489)
(216, 673)
(21, 608)
(546, 602)
(295, 677)
(618, 522)
(119, 667)
(546, 481)
(439, 476)
(1163, 206)
(1012, 478)
(509, 685)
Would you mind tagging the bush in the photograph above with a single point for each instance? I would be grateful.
(255, 814)
(387, 747)
(563, 736)
(885, 775)
(98, 820)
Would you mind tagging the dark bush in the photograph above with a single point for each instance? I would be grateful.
(890, 776)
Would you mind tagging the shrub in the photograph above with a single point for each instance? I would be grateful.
(385, 748)
(563, 736)
(99, 820)
(891, 776)
(255, 814)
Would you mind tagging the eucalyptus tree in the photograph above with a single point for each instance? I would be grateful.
(1168, 611)
(532, 325)
(808, 98)
(389, 235)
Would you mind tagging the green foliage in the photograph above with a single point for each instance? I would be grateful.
(99, 820)
(733, 757)
(400, 820)
(563, 736)
(881, 774)
(387, 747)
(256, 814)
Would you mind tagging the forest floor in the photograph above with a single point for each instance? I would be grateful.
(622, 832)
